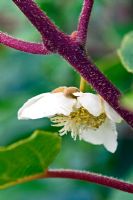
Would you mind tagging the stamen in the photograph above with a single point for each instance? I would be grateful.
(83, 117)
(78, 120)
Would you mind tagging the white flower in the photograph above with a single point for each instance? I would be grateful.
(85, 115)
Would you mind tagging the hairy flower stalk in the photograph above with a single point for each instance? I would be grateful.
(84, 21)
(90, 177)
(56, 41)
(28, 47)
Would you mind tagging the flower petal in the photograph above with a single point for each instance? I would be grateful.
(110, 136)
(91, 102)
(106, 134)
(46, 105)
(111, 113)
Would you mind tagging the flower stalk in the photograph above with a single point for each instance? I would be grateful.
(21, 45)
(82, 84)
(90, 177)
(84, 21)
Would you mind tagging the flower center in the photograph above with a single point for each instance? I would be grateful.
(83, 117)
(79, 118)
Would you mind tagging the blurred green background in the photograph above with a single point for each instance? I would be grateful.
(23, 76)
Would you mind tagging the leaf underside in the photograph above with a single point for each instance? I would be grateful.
(28, 158)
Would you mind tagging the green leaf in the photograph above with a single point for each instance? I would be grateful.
(126, 52)
(28, 159)
(127, 101)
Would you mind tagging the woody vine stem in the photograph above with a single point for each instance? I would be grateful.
(72, 49)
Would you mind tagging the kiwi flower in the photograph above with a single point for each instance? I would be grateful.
(84, 115)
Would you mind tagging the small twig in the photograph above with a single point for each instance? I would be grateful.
(90, 177)
(84, 21)
(28, 47)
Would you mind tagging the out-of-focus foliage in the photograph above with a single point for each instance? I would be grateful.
(27, 158)
(127, 101)
(126, 52)
(23, 76)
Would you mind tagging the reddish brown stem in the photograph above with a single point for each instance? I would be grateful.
(84, 21)
(90, 177)
(28, 47)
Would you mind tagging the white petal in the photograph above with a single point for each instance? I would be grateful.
(91, 102)
(91, 136)
(110, 136)
(111, 113)
(106, 134)
(46, 105)
(78, 94)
